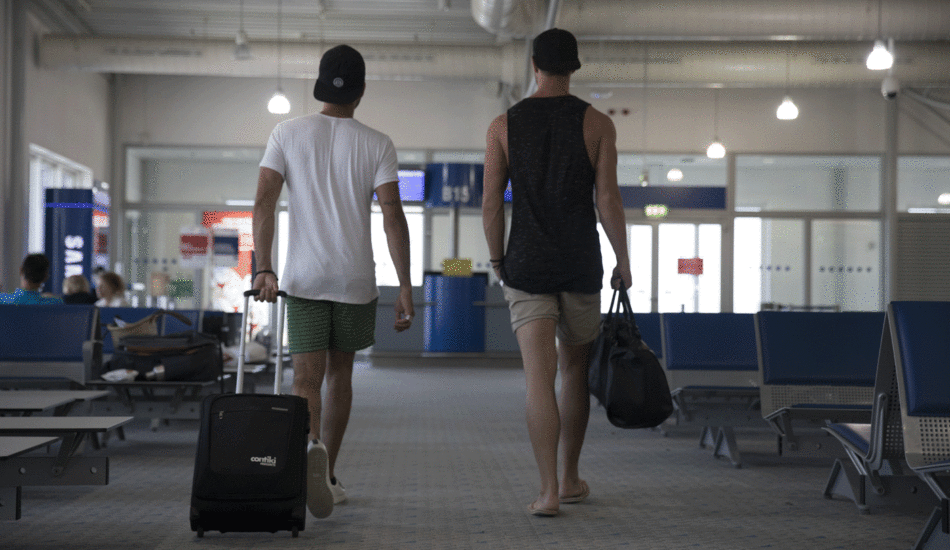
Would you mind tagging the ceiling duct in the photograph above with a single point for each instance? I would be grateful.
(300, 60)
(824, 20)
(672, 63)
(510, 18)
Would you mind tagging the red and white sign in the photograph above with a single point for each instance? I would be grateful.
(690, 266)
(194, 249)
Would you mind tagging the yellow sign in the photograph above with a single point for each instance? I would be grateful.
(457, 267)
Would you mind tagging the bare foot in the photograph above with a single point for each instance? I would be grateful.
(574, 493)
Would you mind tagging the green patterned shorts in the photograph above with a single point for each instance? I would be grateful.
(316, 325)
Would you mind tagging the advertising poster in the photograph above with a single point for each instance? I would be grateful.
(69, 235)
(231, 274)
(226, 247)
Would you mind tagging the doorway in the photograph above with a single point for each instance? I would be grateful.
(675, 267)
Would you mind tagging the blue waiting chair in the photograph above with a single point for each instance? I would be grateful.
(710, 362)
(49, 342)
(910, 430)
(649, 325)
(816, 368)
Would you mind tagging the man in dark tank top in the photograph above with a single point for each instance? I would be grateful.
(561, 157)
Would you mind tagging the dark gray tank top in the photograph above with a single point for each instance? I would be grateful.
(553, 245)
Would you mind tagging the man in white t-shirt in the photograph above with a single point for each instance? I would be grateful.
(332, 165)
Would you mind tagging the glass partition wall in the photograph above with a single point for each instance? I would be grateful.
(798, 231)
(807, 233)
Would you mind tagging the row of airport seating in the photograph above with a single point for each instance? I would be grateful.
(49, 343)
(871, 390)
(52, 396)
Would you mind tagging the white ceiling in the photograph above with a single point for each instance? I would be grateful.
(302, 20)
(451, 21)
(745, 43)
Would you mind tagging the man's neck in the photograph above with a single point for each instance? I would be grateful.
(29, 285)
(338, 111)
(553, 86)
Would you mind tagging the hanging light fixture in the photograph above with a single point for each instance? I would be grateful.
(279, 104)
(880, 58)
(716, 149)
(242, 50)
(787, 110)
(645, 173)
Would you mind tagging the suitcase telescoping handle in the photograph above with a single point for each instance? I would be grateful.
(279, 368)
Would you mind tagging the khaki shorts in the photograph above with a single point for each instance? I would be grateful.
(577, 315)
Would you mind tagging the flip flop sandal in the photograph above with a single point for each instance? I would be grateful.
(543, 512)
(575, 499)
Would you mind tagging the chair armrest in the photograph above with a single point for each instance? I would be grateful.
(92, 359)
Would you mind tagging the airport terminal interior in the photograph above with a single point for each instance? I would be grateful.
(773, 157)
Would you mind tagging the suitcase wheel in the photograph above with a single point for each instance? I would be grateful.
(294, 532)
(201, 532)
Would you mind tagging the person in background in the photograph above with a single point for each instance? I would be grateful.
(76, 290)
(331, 164)
(33, 273)
(560, 154)
(111, 290)
(94, 282)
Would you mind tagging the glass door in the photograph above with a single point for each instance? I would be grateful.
(689, 270)
(640, 250)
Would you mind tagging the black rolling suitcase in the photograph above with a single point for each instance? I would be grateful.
(251, 464)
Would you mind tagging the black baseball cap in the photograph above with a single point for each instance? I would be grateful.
(342, 76)
(555, 51)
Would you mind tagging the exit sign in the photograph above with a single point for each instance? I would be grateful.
(690, 266)
(656, 210)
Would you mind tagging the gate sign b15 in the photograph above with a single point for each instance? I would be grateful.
(454, 184)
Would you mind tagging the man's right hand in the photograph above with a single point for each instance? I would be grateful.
(404, 310)
(267, 284)
(621, 276)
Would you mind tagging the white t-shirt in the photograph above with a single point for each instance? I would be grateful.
(331, 167)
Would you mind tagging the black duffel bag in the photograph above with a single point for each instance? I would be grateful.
(625, 375)
(189, 356)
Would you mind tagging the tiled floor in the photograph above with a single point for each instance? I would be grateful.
(437, 456)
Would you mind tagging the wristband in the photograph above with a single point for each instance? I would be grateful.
(265, 271)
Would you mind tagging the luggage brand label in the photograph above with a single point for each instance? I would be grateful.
(264, 460)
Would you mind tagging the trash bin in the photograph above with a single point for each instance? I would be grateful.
(453, 321)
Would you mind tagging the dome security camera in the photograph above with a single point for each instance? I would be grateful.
(890, 87)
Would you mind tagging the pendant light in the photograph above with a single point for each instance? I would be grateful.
(242, 50)
(645, 173)
(279, 104)
(716, 149)
(880, 57)
(787, 110)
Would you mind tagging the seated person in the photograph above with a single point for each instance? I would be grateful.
(76, 290)
(111, 290)
(33, 273)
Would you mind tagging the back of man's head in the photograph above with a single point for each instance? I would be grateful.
(555, 52)
(35, 268)
(342, 76)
